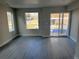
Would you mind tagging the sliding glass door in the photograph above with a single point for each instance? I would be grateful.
(59, 23)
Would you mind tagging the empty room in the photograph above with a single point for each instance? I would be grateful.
(39, 29)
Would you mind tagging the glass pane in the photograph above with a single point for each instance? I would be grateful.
(10, 21)
(32, 20)
(54, 24)
(66, 23)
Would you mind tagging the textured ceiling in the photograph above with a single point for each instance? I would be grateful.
(37, 3)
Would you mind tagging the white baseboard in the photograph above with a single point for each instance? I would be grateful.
(4, 43)
(30, 35)
(34, 35)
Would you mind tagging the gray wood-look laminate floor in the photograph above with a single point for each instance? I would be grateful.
(38, 48)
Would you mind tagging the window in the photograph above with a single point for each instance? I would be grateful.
(32, 20)
(10, 21)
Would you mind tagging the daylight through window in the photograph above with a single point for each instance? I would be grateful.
(10, 21)
(32, 20)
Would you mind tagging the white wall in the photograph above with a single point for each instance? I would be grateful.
(75, 31)
(77, 37)
(44, 21)
(5, 35)
(74, 7)
(77, 45)
(74, 24)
